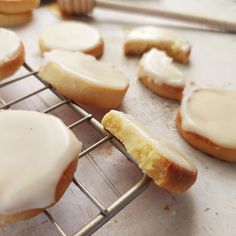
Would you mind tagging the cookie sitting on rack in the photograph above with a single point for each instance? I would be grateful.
(40, 167)
(83, 79)
(11, 53)
(166, 165)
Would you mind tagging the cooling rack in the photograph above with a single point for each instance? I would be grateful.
(105, 213)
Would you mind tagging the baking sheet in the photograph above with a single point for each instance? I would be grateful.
(209, 207)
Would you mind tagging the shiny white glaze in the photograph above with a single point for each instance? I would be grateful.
(35, 149)
(70, 36)
(155, 35)
(87, 68)
(9, 45)
(156, 65)
(211, 113)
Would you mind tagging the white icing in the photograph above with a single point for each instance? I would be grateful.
(87, 68)
(211, 113)
(166, 150)
(156, 65)
(153, 35)
(9, 45)
(71, 36)
(35, 149)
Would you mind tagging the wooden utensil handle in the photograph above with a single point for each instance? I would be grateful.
(207, 21)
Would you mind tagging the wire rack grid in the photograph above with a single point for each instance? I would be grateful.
(105, 214)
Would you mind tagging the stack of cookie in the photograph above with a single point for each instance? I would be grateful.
(16, 12)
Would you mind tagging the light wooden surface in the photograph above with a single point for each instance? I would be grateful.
(209, 207)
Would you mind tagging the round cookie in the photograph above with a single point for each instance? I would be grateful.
(83, 79)
(40, 167)
(157, 73)
(142, 39)
(72, 36)
(11, 53)
(9, 20)
(206, 120)
(18, 6)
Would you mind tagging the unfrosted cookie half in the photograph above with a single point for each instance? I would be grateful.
(18, 6)
(157, 73)
(11, 53)
(9, 20)
(166, 165)
(38, 158)
(207, 120)
(72, 36)
(142, 39)
(83, 79)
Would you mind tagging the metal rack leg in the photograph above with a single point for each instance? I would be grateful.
(117, 206)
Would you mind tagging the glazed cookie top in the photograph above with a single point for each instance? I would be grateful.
(151, 34)
(156, 65)
(211, 113)
(35, 150)
(9, 44)
(87, 68)
(70, 36)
